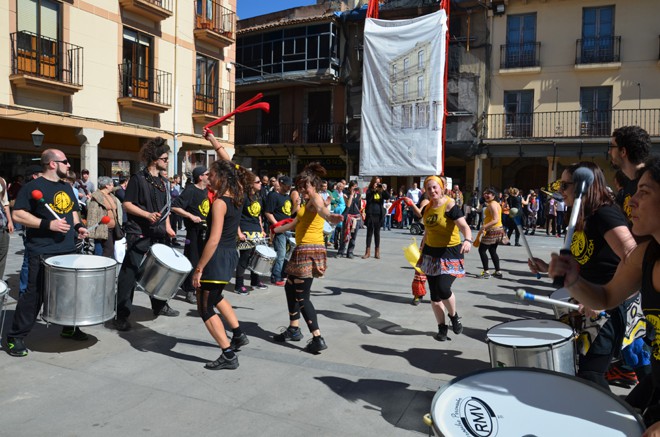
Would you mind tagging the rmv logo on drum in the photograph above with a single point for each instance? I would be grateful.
(478, 418)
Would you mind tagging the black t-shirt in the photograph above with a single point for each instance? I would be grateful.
(598, 262)
(250, 214)
(149, 195)
(623, 196)
(354, 209)
(515, 202)
(195, 201)
(651, 304)
(375, 201)
(229, 226)
(62, 199)
(279, 205)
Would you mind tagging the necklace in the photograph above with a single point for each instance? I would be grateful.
(158, 184)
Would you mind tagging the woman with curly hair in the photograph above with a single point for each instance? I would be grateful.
(219, 259)
(308, 260)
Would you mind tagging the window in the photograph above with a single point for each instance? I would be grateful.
(405, 89)
(406, 121)
(420, 88)
(420, 59)
(206, 85)
(518, 109)
(520, 41)
(38, 36)
(406, 65)
(137, 60)
(597, 35)
(422, 116)
(596, 111)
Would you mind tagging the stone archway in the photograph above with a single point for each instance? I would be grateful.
(526, 174)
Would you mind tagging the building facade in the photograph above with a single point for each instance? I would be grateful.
(98, 78)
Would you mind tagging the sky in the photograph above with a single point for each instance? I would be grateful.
(252, 8)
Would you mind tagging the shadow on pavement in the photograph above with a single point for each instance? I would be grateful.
(385, 297)
(370, 320)
(400, 406)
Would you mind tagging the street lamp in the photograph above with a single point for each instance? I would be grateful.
(37, 137)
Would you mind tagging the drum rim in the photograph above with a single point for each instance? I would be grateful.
(105, 258)
(162, 263)
(558, 342)
(445, 387)
(4, 290)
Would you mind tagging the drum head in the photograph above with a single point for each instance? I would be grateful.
(529, 402)
(529, 333)
(80, 262)
(3, 288)
(561, 294)
(171, 257)
(266, 252)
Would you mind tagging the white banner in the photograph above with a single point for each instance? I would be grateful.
(403, 96)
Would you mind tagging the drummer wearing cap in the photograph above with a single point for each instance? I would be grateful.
(45, 237)
(193, 205)
(147, 209)
(279, 207)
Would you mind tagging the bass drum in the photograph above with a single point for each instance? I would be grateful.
(163, 271)
(528, 402)
(79, 290)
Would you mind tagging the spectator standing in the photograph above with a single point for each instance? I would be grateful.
(532, 210)
(374, 214)
(103, 203)
(561, 213)
(351, 222)
(551, 222)
(6, 225)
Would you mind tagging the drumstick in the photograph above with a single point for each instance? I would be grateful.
(513, 212)
(104, 221)
(522, 294)
(582, 180)
(39, 197)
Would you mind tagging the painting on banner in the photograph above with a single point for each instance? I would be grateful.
(403, 96)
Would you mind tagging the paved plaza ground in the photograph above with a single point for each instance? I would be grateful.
(377, 377)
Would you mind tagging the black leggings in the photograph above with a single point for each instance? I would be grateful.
(492, 250)
(373, 223)
(440, 287)
(297, 299)
(243, 260)
(207, 301)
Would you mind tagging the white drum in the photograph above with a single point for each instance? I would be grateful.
(544, 344)
(290, 245)
(262, 260)
(328, 229)
(562, 295)
(528, 402)
(4, 291)
(79, 290)
(163, 271)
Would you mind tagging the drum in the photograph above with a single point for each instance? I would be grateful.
(262, 260)
(328, 229)
(163, 271)
(290, 245)
(562, 295)
(544, 344)
(4, 291)
(79, 290)
(251, 243)
(528, 402)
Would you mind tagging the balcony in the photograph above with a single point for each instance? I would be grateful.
(603, 50)
(516, 56)
(211, 103)
(155, 10)
(144, 88)
(45, 64)
(292, 133)
(568, 124)
(215, 26)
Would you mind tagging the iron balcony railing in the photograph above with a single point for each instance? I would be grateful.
(47, 58)
(292, 133)
(520, 55)
(211, 15)
(598, 50)
(568, 124)
(212, 100)
(145, 83)
(165, 4)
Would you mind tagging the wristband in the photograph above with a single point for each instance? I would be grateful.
(468, 240)
(78, 226)
(44, 225)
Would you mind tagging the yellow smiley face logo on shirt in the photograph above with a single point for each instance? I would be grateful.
(204, 207)
(376, 196)
(581, 247)
(286, 208)
(254, 209)
(62, 203)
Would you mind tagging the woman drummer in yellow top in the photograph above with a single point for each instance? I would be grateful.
(493, 233)
(308, 260)
(442, 252)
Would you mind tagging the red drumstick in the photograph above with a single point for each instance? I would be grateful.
(104, 221)
(39, 197)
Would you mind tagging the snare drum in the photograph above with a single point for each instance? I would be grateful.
(528, 402)
(262, 260)
(544, 344)
(79, 290)
(562, 295)
(290, 245)
(163, 271)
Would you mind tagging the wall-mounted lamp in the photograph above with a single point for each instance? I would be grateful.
(499, 9)
(483, 156)
(229, 66)
(37, 137)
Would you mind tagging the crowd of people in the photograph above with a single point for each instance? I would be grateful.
(228, 211)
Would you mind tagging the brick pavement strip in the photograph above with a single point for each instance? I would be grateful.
(377, 377)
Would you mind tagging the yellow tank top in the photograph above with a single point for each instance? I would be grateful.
(309, 229)
(440, 231)
(488, 217)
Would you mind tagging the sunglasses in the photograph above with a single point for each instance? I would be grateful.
(63, 161)
(563, 185)
(257, 182)
(167, 158)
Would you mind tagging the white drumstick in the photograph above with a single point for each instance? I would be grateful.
(522, 294)
(524, 238)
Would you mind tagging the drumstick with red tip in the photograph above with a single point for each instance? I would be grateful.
(104, 221)
(39, 197)
(522, 294)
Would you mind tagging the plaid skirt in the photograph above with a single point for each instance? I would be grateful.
(494, 235)
(307, 261)
(437, 261)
